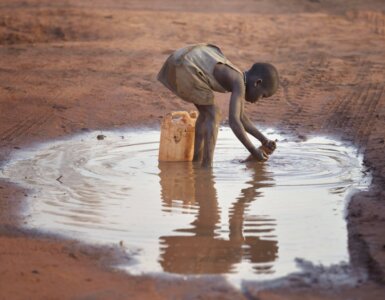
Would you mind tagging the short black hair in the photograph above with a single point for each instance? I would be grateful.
(268, 73)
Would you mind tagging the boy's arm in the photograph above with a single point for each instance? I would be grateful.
(250, 128)
(236, 124)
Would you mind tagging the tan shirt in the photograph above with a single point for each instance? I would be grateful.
(189, 73)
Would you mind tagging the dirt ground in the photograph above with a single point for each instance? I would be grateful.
(73, 66)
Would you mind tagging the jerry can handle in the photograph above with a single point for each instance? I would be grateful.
(184, 115)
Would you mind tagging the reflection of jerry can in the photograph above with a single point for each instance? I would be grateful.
(177, 183)
(177, 136)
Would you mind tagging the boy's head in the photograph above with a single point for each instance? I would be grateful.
(261, 81)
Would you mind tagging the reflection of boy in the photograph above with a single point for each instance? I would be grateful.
(200, 249)
(193, 73)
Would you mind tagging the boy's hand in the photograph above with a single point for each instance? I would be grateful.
(269, 146)
(258, 155)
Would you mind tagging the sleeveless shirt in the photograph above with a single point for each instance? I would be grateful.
(189, 73)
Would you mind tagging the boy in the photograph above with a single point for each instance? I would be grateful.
(194, 72)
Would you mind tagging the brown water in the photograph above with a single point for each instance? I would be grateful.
(248, 221)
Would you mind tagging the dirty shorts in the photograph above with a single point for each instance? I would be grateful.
(188, 73)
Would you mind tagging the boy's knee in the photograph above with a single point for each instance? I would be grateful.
(201, 117)
(214, 113)
(218, 114)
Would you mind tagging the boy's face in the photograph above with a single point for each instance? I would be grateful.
(256, 91)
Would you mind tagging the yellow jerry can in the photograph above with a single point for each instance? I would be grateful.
(177, 136)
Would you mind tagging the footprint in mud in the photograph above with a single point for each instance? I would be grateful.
(244, 220)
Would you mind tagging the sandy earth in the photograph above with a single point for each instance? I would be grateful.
(73, 66)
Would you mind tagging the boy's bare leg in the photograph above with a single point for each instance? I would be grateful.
(199, 134)
(211, 122)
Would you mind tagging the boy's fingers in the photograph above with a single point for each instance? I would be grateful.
(262, 155)
(259, 155)
(272, 144)
(265, 156)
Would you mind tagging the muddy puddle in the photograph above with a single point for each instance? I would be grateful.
(242, 220)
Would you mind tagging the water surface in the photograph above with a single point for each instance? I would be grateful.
(244, 220)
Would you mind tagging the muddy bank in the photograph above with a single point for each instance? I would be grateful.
(73, 67)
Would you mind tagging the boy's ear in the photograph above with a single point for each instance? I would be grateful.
(257, 82)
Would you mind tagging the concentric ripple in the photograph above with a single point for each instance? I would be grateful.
(247, 220)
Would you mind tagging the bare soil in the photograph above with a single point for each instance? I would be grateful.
(73, 66)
